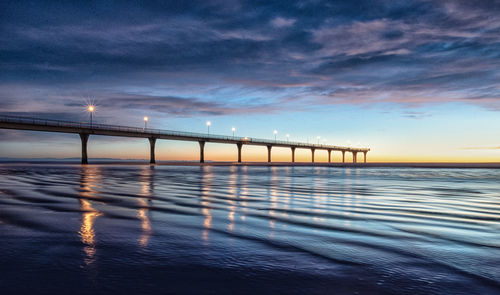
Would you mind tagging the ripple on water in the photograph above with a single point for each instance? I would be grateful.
(427, 231)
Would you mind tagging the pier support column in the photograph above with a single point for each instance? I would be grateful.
(239, 145)
(269, 147)
(364, 153)
(293, 154)
(312, 152)
(85, 138)
(354, 157)
(343, 156)
(329, 156)
(202, 151)
(152, 143)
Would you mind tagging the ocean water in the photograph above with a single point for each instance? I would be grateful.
(71, 229)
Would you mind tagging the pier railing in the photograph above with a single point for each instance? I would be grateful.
(152, 132)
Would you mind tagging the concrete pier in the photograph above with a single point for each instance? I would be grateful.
(152, 143)
(239, 145)
(312, 155)
(354, 157)
(202, 151)
(85, 129)
(85, 138)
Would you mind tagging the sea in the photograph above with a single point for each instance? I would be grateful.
(167, 229)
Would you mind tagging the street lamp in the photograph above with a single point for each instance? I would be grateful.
(287, 137)
(146, 122)
(91, 110)
(318, 138)
(233, 129)
(275, 132)
(208, 126)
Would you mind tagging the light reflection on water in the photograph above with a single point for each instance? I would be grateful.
(89, 183)
(146, 182)
(298, 229)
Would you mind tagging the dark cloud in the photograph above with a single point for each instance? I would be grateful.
(415, 115)
(202, 57)
(61, 116)
(179, 106)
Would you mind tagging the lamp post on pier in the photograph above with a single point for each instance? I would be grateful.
(91, 110)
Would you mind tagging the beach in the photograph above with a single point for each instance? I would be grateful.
(226, 229)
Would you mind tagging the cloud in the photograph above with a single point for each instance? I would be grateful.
(416, 115)
(206, 57)
(482, 148)
(179, 106)
(115, 106)
(280, 22)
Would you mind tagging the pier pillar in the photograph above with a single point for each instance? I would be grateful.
(85, 138)
(293, 154)
(239, 145)
(202, 151)
(152, 143)
(343, 156)
(354, 157)
(329, 156)
(312, 152)
(365, 156)
(269, 147)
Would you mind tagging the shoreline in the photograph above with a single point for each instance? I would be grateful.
(495, 165)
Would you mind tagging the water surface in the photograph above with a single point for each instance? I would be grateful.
(235, 229)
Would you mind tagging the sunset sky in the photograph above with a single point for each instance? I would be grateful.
(412, 80)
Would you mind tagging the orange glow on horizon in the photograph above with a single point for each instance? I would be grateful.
(168, 150)
(228, 153)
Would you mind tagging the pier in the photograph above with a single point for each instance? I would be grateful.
(85, 130)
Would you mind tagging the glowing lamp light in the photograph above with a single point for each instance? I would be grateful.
(91, 110)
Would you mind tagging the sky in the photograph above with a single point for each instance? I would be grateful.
(415, 81)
